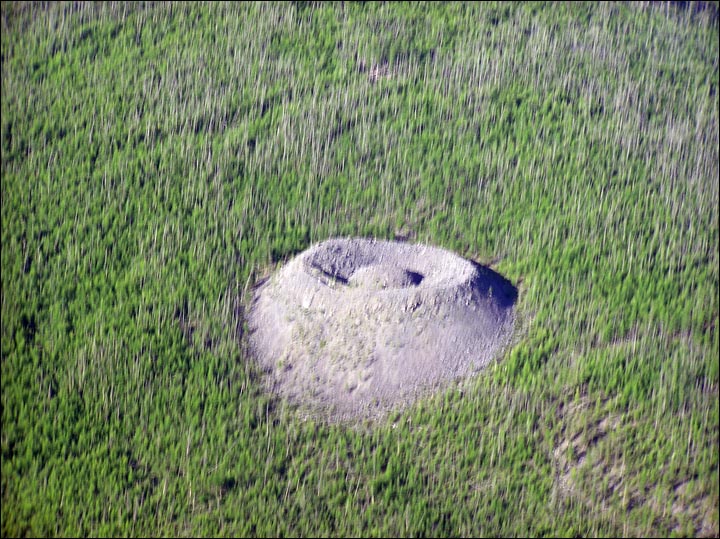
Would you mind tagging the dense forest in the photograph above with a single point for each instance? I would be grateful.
(159, 159)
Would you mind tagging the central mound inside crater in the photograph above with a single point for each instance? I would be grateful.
(384, 276)
(356, 327)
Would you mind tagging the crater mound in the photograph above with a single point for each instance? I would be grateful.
(355, 327)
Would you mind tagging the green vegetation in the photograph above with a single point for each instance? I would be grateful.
(157, 160)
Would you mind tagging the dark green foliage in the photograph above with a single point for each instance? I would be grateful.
(159, 159)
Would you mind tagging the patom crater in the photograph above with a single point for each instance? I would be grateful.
(356, 327)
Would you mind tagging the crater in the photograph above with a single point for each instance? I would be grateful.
(356, 327)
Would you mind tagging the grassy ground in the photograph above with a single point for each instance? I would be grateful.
(158, 159)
